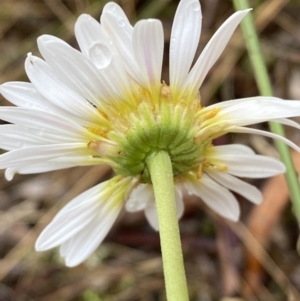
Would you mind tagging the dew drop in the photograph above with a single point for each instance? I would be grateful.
(121, 23)
(100, 54)
(195, 6)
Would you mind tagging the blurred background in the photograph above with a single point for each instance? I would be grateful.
(254, 259)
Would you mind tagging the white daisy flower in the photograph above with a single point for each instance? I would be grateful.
(108, 105)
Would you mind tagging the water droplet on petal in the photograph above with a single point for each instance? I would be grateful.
(195, 5)
(121, 23)
(100, 55)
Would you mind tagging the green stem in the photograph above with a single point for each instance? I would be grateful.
(161, 172)
(265, 88)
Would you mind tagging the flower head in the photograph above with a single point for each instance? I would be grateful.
(108, 105)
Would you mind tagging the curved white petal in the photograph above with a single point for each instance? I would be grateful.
(139, 197)
(83, 77)
(39, 154)
(83, 223)
(179, 201)
(184, 40)
(88, 31)
(98, 46)
(113, 9)
(248, 191)
(215, 196)
(241, 112)
(237, 129)
(64, 248)
(68, 223)
(14, 137)
(51, 165)
(52, 88)
(118, 28)
(29, 118)
(212, 51)
(25, 95)
(82, 245)
(148, 46)
(249, 166)
(232, 149)
(35, 168)
(151, 215)
(288, 122)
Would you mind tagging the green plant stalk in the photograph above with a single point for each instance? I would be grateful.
(160, 169)
(265, 88)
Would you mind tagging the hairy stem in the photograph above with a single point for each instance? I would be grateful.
(160, 169)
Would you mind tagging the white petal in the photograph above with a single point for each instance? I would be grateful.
(117, 26)
(83, 223)
(90, 196)
(215, 196)
(288, 122)
(233, 149)
(250, 166)
(40, 153)
(88, 31)
(48, 122)
(63, 250)
(248, 191)
(148, 46)
(179, 201)
(68, 223)
(97, 45)
(14, 137)
(86, 242)
(139, 197)
(86, 219)
(113, 9)
(184, 40)
(25, 95)
(51, 87)
(258, 109)
(151, 215)
(35, 168)
(83, 77)
(236, 129)
(53, 164)
(212, 51)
